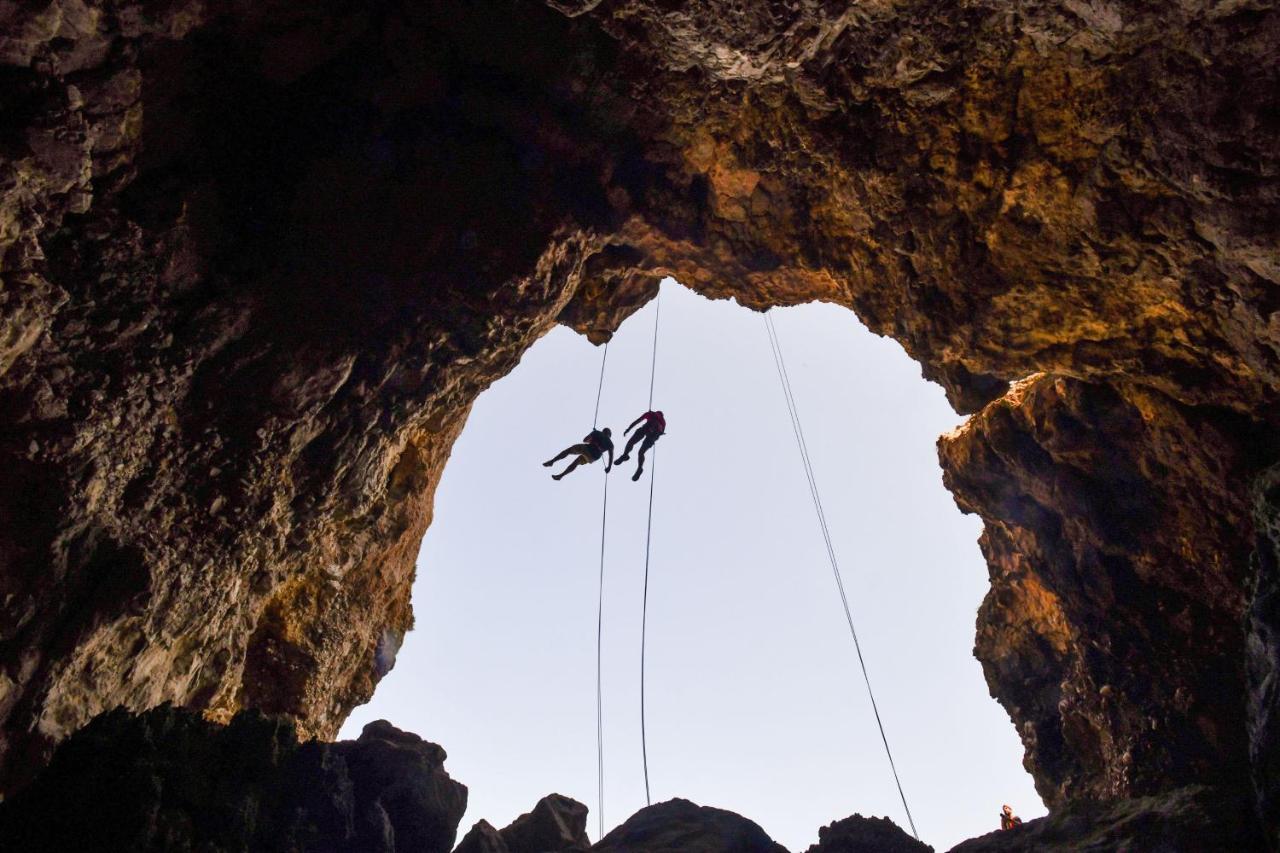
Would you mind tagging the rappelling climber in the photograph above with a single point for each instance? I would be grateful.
(655, 425)
(1008, 820)
(597, 443)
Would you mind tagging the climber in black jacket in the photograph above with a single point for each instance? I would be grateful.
(597, 443)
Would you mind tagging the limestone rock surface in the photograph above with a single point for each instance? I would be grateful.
(1118, 538)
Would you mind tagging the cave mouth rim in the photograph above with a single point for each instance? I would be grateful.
(641, 330)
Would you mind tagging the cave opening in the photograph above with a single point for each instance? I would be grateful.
(751, 674)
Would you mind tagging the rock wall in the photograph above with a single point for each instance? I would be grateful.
(1117, 536)
(259, 259)
(1192, 818)
(168, 781)
(1262, 639)
(250, 338)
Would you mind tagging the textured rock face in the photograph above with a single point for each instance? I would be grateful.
(258, 261)
(482, 838)
(1263, 659)
(233, 380)
(404, 799)
(170, 781)
(860, 834)
(1194, 818)
(557, 823)
(1117, 539)
(683, 826)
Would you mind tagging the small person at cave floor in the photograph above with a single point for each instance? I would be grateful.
(655, 425)
(596, 443)
(1008, 820)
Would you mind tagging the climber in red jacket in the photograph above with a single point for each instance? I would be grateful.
(1008, 820)
(655, 425)
(597, 443)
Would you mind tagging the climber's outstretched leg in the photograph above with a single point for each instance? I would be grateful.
(577, 448)
(631, 442)
(574, 464)
(649, 441)
(584, 454)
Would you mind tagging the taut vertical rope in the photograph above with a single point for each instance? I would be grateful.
(604, 520)
(648, 537)
(798, 429)
(604, 358)
(653, 365)
(644, 624)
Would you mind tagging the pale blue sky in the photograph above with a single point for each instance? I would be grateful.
(755, 702)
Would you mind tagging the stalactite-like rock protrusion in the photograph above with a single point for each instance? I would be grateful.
(258, 262)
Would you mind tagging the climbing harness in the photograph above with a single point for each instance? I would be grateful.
(648, 538)
(604, 521)
(796, 427)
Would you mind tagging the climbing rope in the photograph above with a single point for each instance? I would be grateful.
(604, 358)
(796, 427)
(604, 520)
(653, 365)
(648, 538)
(644, 622)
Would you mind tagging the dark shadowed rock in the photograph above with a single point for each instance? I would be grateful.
(679, 825)
(557, 823)
(400, 782)
(482, 838)
(1186, 820)
(167, 780)
(860, 834)
(1262, 645)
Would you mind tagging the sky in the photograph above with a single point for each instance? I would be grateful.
(754, 700)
